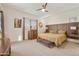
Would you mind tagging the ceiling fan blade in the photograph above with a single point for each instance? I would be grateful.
(43, 8)
(45, 5)
(46, 10)
(38, 9)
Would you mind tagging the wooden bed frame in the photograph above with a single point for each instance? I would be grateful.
(46, 42)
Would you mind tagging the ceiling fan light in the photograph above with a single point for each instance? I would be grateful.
(43, 10)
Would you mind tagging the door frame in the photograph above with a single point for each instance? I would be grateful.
(30, 26)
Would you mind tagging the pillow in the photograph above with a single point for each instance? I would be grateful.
(51, 31)
(61, 32)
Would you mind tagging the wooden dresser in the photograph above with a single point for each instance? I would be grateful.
(73, 33)
(32, 34)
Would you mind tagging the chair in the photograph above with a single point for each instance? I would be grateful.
(6, 48)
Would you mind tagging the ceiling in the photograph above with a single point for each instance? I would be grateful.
(53, 8)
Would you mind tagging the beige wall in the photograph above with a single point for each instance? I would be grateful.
(0, 7)
(61, 18)
(15, 34)
(41, 30)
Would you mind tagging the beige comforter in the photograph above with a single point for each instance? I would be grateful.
(58, 39)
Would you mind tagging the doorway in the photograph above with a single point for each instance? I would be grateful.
(30, 29)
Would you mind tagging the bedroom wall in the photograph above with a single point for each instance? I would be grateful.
(61, 18)
(42, 29)
(15, 34)
(0, 7)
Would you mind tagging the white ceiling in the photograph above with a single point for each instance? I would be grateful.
(53, 8)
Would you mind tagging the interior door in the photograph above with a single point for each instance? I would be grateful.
(29, 25)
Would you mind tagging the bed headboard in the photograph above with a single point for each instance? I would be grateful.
(67, 28)
(57, 27)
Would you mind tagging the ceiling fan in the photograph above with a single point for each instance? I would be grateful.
(43, 9)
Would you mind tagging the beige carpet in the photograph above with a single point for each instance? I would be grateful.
(33, 48)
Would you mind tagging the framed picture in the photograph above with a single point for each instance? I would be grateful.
(17, 23)
(40, 24)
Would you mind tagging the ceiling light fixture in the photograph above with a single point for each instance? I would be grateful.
(43, 10)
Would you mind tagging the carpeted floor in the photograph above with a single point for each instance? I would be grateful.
(34, 48)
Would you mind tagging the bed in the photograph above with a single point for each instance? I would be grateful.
(58, 38)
